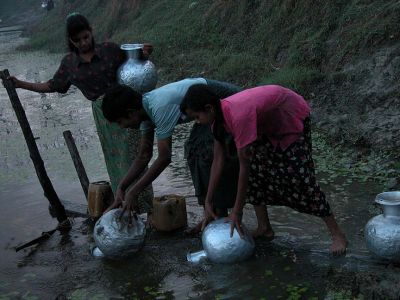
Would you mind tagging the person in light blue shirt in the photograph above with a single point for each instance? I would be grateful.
(157, 113)
(162, 105)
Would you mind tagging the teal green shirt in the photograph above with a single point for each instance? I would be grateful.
(162, 106)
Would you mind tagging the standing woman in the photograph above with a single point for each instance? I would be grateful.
(92, 68)
(271, 129)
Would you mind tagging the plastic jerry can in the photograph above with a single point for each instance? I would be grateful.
(169, 212)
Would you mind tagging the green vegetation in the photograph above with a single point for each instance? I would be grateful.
(248, 42)
(298, 44)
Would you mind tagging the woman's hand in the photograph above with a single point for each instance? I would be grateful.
(119, 198)
(147, 50)
(120, 194)
(130, 205)
(209, 214)
(235, 217)
(15, 80)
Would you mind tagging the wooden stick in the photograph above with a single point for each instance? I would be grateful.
(80, 169)
(64, 226)
(47, 186)
(45, 235)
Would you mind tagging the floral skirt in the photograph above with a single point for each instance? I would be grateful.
(286, 178)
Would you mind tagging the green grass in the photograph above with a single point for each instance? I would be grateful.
(297, 44)
(296, 78)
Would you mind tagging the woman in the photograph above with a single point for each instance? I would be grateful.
(271, 129)
(92, 68)
(157, 113)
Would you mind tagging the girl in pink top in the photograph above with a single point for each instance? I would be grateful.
(271, 129)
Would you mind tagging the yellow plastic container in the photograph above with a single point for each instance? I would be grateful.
(99, 196)
(169, 212)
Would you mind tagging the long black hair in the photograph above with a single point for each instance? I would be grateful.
(118, 100)
(196, 98)
(76, 23)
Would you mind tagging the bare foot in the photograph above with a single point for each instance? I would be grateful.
(268, 234)
(339, 244)
(149, 222)
(192, 231)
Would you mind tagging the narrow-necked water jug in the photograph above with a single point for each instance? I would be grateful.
(382, 232)
(115, 237)
(138, 73)
(220, 247)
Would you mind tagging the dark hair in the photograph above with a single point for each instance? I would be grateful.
(76, 23)
(118, 100)
(196, 98)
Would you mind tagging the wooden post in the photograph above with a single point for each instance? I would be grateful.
(47, 186)
(80, 169)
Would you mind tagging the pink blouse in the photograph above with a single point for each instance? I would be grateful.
(270, 110)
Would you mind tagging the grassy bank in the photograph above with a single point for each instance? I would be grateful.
(247, 42)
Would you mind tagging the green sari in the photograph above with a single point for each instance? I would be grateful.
(120, 147)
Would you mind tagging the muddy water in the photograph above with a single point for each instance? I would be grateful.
(295, 264)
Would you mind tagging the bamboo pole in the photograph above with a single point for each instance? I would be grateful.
(47, 186)
(80, 169)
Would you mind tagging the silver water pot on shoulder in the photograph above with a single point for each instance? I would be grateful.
(382, 232)
(137, 73)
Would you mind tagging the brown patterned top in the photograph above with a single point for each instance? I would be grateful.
(92, 78)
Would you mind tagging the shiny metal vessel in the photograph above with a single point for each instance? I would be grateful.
(115, 237)
(219, 247)
(137, 73)
(382, 232)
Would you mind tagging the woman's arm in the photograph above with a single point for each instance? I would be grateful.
(40, 87)
(163, 160)
(137, 167)
(237, 211)
(141, 161)
(216, 171)
(159, 165)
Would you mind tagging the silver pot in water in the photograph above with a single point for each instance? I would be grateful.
(382, 232)
(219, 247)
(116, 238)
(137, 73)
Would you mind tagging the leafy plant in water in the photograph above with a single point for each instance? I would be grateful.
(295, 292)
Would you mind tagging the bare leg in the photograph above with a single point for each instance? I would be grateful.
(264, 228)
(339, 242)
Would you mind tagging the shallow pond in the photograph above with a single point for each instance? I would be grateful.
(296, 265)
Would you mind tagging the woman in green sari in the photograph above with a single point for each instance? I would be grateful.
(92, 68)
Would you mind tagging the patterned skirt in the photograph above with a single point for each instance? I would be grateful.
(120, 147)
(286, 178)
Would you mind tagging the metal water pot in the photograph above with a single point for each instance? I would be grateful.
(116, 238)
(220, 247)
(382, 232)
(137, 73)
